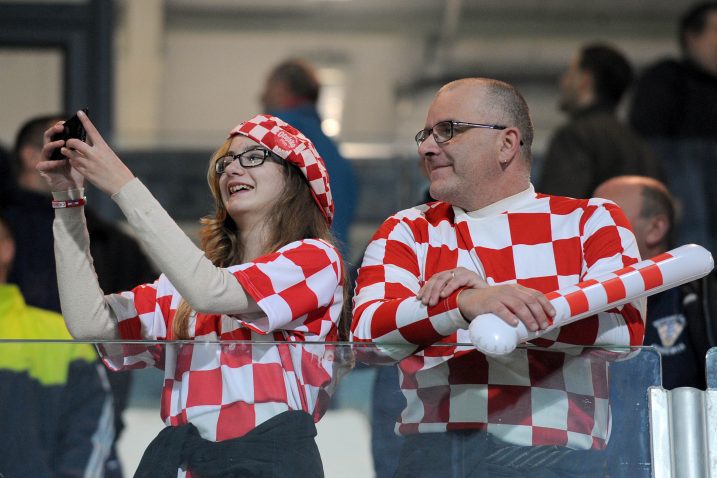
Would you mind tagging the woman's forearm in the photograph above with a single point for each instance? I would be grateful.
(204, 286)
(86, 313)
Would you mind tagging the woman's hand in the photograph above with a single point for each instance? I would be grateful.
(95, 160)
(59, 175)
(443, 284)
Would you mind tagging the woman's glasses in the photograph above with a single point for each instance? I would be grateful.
(248, 159)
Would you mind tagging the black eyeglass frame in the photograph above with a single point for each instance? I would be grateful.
(422, 135)
(221, 165)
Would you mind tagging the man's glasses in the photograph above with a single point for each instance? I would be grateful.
(444, 130)
(248, 159)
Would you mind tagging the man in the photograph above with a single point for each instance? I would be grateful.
(673, 107)
(490, 244)
(676, 318)
(118, 259)
(57, 410)
(676, 98)
(291, 93)
(594, 145)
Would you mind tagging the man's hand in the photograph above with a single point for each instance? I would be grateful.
(510, 302)
(443, 284)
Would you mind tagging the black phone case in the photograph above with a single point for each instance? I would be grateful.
(73, 129)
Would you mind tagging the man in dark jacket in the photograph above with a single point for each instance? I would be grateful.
(291, 93)
(674, 106)
(594, 145)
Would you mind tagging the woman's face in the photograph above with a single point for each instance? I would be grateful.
(250, 193)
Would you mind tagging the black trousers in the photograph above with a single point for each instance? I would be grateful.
(282, 446)
(476, 454)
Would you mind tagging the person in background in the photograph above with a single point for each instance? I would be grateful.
(680, 324)
(7, 177)
(681, 321)
(119, 261)
(491, 244)
(673, 106)
(291, 93)
(675, 98)
(56, 419)
(594, 144)
(267, 272)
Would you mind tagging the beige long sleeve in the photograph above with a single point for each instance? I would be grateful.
(87, 315)
(206, 288)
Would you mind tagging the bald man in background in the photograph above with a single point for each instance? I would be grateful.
(680, 321)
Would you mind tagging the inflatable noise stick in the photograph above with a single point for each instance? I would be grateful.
(492, 336)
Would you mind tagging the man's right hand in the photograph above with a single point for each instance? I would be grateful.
(510, 302)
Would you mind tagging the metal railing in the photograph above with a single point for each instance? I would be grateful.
(683, 425)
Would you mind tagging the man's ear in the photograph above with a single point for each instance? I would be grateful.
(656, 230)
(509, 146)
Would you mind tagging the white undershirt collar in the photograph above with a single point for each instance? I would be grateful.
(510, 203)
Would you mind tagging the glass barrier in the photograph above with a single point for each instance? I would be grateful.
(711, 368)
(379, 410)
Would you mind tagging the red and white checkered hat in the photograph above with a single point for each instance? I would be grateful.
(290, 144)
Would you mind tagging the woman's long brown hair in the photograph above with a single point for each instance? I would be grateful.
(296, 217)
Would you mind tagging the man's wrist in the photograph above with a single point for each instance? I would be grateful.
(458, 305)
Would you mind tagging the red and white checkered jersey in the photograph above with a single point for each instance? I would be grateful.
(226, 390)
(551, 396)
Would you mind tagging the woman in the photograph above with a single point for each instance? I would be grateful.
(267, 272)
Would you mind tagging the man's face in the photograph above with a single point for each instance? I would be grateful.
(571, 84)
(702, 47)
(274, 95)
(460, 168)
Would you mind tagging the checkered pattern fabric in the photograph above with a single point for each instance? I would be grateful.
(492, 336)
(290, 144)
(547, 396)
(578, 300)
(226, 390)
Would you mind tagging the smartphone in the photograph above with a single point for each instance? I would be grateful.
(73, 129)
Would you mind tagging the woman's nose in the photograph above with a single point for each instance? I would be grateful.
(235, 168)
